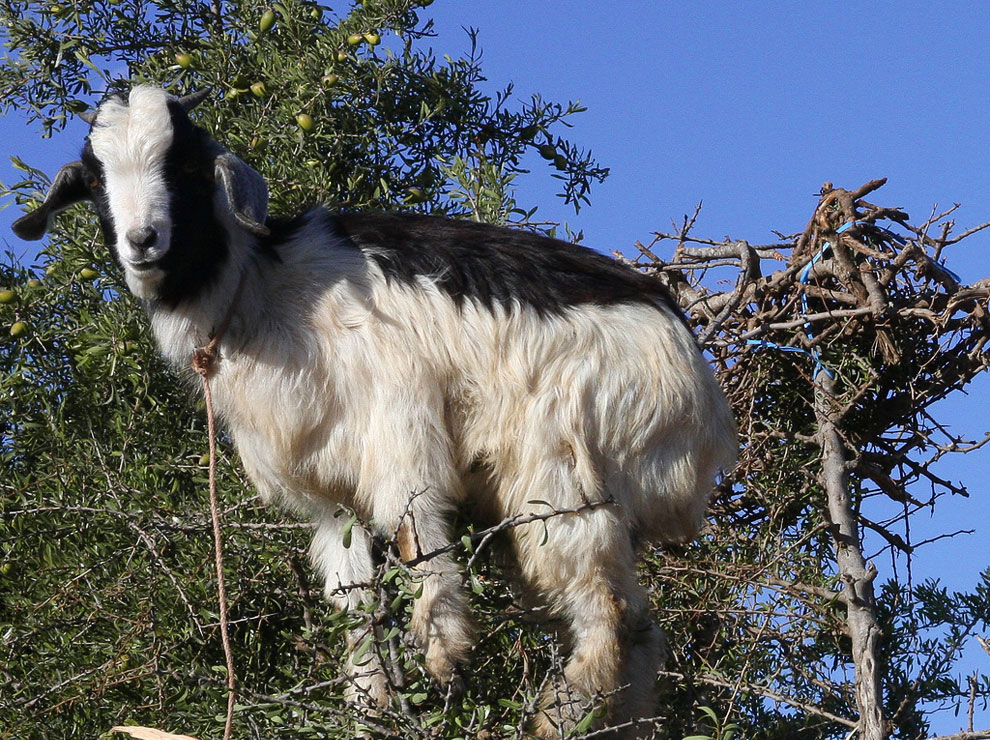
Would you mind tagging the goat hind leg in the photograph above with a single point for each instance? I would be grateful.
(615, 647)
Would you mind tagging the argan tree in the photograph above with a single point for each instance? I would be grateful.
(833, 344)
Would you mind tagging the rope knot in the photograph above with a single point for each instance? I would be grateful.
(204, 359)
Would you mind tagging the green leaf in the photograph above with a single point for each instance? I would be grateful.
(346, 531)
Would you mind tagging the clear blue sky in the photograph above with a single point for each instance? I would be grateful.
(748, 107)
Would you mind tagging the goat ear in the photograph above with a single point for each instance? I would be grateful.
(246, 190)
(68, 187)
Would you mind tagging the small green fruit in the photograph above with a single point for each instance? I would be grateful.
(373, 39)
(306, 122)
(529, 132)
(184, 60)
(7, 296)
(88, 273)
(259, 90)
(267, 20)
(354, 39)
(341, 55)
(204, 459)
(415, 195)
(18, 329)
(547, 151)
(34, 283)
(330, 80)
(257, 144)
(6, 569)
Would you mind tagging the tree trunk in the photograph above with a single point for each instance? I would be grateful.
(857, 576)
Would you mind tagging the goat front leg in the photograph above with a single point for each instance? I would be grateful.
(348, 572)
(410, 486)
(441, 624)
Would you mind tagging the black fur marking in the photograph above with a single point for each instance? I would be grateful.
(280, 231)
(199, 243)
(496, 265)
(94, 179)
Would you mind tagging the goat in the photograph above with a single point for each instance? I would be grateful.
(401, 365)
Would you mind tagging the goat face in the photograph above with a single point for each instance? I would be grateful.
(164, 191)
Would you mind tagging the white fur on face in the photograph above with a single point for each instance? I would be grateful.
(131, 141)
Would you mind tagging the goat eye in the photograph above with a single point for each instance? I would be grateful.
(94, 183)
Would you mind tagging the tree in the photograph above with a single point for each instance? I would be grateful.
(832, 357)
(833, 362)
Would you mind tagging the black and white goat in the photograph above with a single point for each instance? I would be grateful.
(400, 365)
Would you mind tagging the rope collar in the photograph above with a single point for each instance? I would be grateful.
(206, 358)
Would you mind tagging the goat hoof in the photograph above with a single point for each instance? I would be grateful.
(456, 687)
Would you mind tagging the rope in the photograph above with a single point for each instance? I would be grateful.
(805, 276)
(204, 362)
(218, 552)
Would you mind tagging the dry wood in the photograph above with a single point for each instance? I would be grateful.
(866, 329)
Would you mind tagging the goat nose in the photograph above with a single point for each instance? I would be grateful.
(142, 237)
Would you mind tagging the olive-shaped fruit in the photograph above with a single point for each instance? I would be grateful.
(183, 60)
(306, 122)
(18, 329)
(259, 90)
(415, 195)
(529, 132)
(373, 39)
(267, 20)
(88, 273)
(354, 39)
(7, 296)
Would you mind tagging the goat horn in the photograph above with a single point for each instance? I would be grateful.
(89, 116)
(190, 101)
